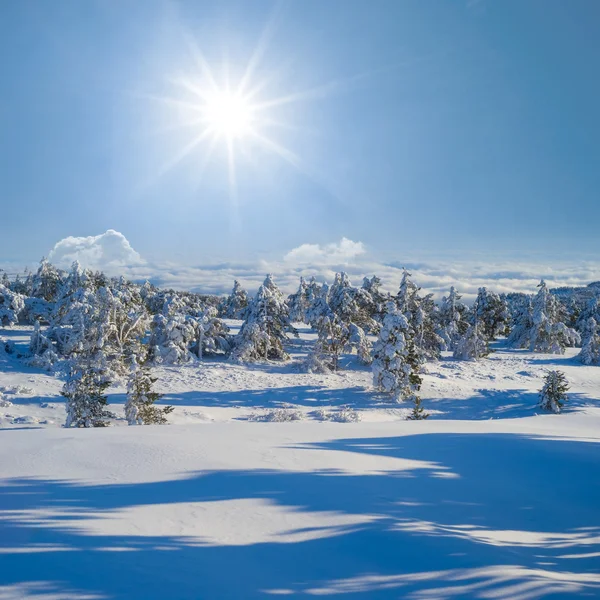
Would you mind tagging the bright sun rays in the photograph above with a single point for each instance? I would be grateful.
(228, 115)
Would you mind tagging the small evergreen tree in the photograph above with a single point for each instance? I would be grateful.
(590, 348)
(140, 407)
(553, 394)
(453, 324)
(236, 304)
(473, 345)
(263, 332)
(395, 362)
(492, 312)
(418, 412)
(86, 402)
(299, 303)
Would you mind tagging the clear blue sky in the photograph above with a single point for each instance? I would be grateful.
(436, 126)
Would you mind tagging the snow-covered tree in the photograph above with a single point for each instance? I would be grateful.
(523, 326)
(473, 345)
(418, 412)
(590, 347)
(452, 321)
(299, 303)
(350, 304)
(236, 304)
(263, 332)
(591, 309)
(553, 394)
(85, 393)
(12, 305)
(395, 362)
(41, 350)
(332, 338)
(378, 298)
(548, 333)
(492, 313)
(46, 282)
(212, 335)
(420, 312)
(140, 406)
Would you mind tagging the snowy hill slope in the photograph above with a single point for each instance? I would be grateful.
(437, 509)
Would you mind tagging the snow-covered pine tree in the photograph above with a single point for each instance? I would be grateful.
(395, 363)
(591, 309)
(236, 304)
(332, 338)
(378, 299)
(140, 406)
(85, 393)
(522, 327)
(492, 312)
(420, 312)
(418, 412)
(46, 282)
(548, 333)
(299, 303)
(473, 345)
(263, 332)
(452, 321)
(590, 347)
(12, 305)
(41, 350)
(553, 394)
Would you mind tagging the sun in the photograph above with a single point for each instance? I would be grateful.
(228, 114)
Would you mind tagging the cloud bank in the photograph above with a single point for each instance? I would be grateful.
(112, 253)
(108, 251)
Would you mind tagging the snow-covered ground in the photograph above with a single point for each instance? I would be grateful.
(488, 498)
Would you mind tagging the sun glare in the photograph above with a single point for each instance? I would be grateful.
(228, 114)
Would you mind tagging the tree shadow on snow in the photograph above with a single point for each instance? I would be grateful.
(460, 515)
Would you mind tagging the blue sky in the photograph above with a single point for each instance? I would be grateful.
(461, 129)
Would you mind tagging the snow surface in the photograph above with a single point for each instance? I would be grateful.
(488, 498)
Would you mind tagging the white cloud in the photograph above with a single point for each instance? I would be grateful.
(108, 251)
(336, 253)
(113, 253)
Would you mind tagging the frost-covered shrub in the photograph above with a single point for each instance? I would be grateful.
(282, 414)
(553, 394)
(345, 414)
(395, 364)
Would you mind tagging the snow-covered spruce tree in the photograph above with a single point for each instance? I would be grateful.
(591, 309)
(590, 347)
(353, 308)
(86, 402)
(236, 304)
(420, 313)
(12, 305)
(140, 406)
(212, 335)
(46, 282)
(378, 299)
(473, 345)
(299, 303)
(452, 322)
(171, 338)
(553, 394)
(522, 326)
(395, 362)
(332, 338)
(548, 333)
(492, 312)
(263, 332)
